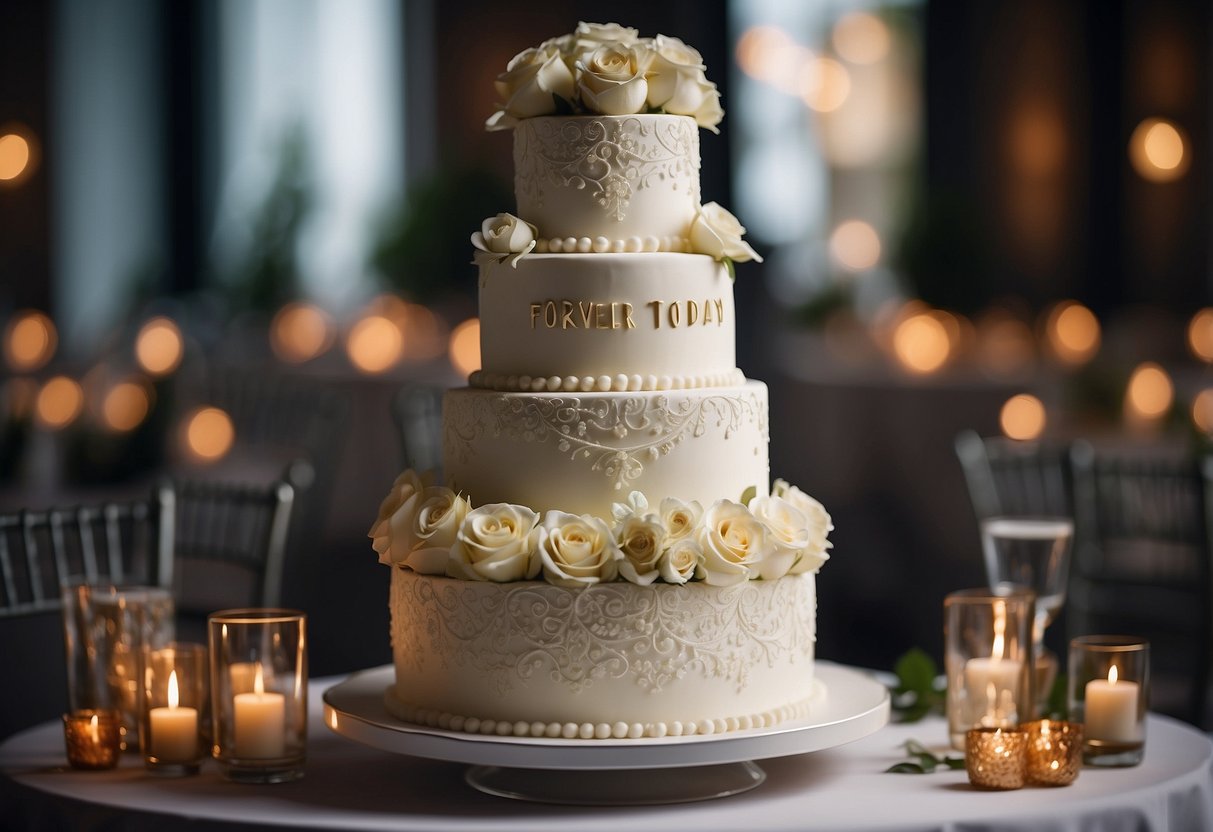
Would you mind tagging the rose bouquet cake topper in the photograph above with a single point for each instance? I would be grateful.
(604, 69)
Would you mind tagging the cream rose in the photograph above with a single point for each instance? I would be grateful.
(504, 237)
(612, 80)
(787, 532)
(439, 515)
(600, 33)
(394, 521)
(642, 541)
(577, 550)
(710, 112)
(734, 544)
(677, 83)
(496, 542)
(528, 85)
(818, 523)
(681, 519)
(679, 561)
(716, 232)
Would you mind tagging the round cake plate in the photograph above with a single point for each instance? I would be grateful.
(848, 706)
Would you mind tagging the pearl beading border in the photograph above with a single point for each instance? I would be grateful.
(620, 383)
(604, 245)
(432, 718)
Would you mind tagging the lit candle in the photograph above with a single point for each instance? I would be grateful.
(174, 729)
(1111, 710)
(991, 682)
(260, 722)
(242, 674)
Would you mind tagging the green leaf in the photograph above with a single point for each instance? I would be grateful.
(954, 763)
(916, 671)
(748, 495)
(905, 768)
(730, 268)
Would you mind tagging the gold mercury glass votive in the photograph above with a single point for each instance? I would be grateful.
(1054, 750)
(994, 758)
(93, 738)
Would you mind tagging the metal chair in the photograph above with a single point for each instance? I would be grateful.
(1142, 565)
(417, 412)
(1005, 476)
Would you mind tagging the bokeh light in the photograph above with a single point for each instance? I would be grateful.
(767, 53)
(374, 344)
(1158, 151)
(922, 343)
(300, 332)
(855, 245)
(159, 346)
(59, 402)
(1150, 392)
(1200, 335)
(125, 406)
(1073, 332)
(1004, 344)
(861, 38)
(15, 156)
(465, 347)
(208, 434)
(1202, 410)
(824, 84)
(1022, 417)
(29, 341)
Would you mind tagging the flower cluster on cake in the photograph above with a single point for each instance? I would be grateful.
(607, 557)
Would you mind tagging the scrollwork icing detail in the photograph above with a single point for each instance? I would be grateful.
(615, 435)
(651, 635)
(613, 157)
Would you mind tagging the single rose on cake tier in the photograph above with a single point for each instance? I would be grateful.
(577, 550)
(818, 524)
(396, 516)
(641, 537)
(678, 83)
(503, 238)
(734, 544)
(718, 233)
(497, 542)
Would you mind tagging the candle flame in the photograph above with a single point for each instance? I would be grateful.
(94, 730)
(1000, 628)
(1112, 675)
(174, 697)
(258, 683)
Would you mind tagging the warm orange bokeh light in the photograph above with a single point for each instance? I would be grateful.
(1202, 410)
(767, 53)
(125, 406)
(1073, 332)
(922, 343)
(861, 38)
(1150, 392)
(1200, 335)
(209, 434)
(1004, 344)
(855, 245)
(29, 341)
(824, 84)
(1022, 417)
(1158, 151)
(465, 347)
(15, 156)
(300, 332)
(159, 346)
(374, 344)
(59, 402)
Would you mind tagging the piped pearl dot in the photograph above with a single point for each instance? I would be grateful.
(604, 383)
(504, 729)
(586, 731)
(675, 728)
(569, 731)
(570, 244)
(635, 382)
(541, 246)
(553, 730)
(472, 726)
(706, 726)
(619, 730)
(664, 383)
(587, 384)
(585, 245)
(621, 382)
(601, 244)
(658, 730)
(458, 723)
(650, 382)
(537, 729)
(602, 731)
(555, 382)
(570, 383)
(488, 726)
(634, 244)
(524, 382)
(651, 244)
(556, 245)
(635, 731)
(618, 246)
(511, 383)
(444, 721)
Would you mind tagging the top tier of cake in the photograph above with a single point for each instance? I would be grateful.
(608, 183)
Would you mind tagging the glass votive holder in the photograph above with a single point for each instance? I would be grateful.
(1109, 687)
(259, 693)
(174, 697)
(93, 738)
(1054, 751)
(994, 758)
(988, 660)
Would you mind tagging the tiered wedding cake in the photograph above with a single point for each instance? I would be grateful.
(608, 559)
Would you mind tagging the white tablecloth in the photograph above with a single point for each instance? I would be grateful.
(349, 786)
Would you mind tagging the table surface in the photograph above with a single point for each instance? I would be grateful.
(350, 786)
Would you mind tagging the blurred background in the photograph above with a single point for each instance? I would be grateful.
(233, 231)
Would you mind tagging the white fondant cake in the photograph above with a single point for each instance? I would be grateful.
(607, 558)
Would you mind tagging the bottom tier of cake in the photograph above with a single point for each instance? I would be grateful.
(609, 660)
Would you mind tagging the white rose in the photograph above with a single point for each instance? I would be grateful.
(787, 532)
(679, 561)
(600, 33)
(818, 523)
(439, 515)
(612, 80)
(577, 550)
(716, 232)
(528, 85)
(677, 83)
(395, 515)
(734, 544)
(504, 237)
(709, 113)
(496, 542)
(681, 519)
(642, 541)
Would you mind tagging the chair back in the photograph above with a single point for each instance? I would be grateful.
(417, 412)
(1142, 565)
(113, 542)
(1006, 476)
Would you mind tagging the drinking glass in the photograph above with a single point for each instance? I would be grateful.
(1032, 553)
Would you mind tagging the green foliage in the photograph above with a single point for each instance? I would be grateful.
(748, 495)
(916, 694)
(924, 761)
(730, 267)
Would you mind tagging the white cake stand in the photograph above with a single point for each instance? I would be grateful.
(848, 705)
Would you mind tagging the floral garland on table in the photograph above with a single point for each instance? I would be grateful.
(434, 531)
